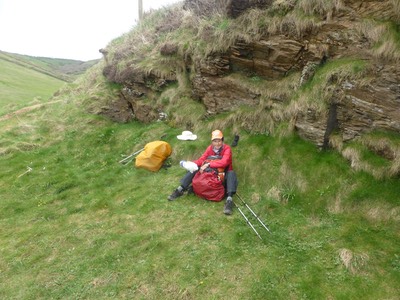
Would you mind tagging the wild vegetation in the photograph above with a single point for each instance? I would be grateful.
(75, 223)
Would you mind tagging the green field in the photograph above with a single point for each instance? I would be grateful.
(20, 87)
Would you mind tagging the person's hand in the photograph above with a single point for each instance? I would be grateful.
(203, 167)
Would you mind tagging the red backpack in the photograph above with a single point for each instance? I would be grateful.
(209, 185)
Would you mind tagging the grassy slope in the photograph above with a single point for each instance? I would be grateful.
(81, 225)
(20, 86)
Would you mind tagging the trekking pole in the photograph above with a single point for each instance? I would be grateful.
(29, 169)
(254, 214)
(247, 220)
(133, 154)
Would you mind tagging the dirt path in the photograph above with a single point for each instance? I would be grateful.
(24, 110)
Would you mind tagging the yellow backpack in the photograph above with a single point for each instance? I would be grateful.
(153, 156)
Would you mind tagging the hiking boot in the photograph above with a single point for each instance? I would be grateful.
(228, 207)
(175, 195)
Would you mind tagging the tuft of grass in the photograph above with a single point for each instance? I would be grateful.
(385, 38)
(321, 7)
(354, 263)
(376, 153)
(396, 8)
(320, 91)
(295, 23)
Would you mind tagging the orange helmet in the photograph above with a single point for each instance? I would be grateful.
(217, 134)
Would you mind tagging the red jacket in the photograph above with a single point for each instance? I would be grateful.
(225, 161)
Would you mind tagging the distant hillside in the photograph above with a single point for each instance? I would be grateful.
(63, 69)
(24, 84)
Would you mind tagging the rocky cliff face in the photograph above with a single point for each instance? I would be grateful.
(355, 104)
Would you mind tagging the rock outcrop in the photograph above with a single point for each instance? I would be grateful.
(356, 105)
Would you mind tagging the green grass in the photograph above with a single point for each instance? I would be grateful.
(81, 225)
(20, 85)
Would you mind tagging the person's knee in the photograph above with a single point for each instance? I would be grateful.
(231, 182)
(231, 174)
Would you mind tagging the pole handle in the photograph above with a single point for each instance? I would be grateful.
(133, 154)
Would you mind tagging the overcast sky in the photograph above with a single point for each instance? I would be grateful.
(73, 29)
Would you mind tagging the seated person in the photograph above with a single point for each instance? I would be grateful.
(217, 148)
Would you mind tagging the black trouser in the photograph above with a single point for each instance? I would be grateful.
(230, 181)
